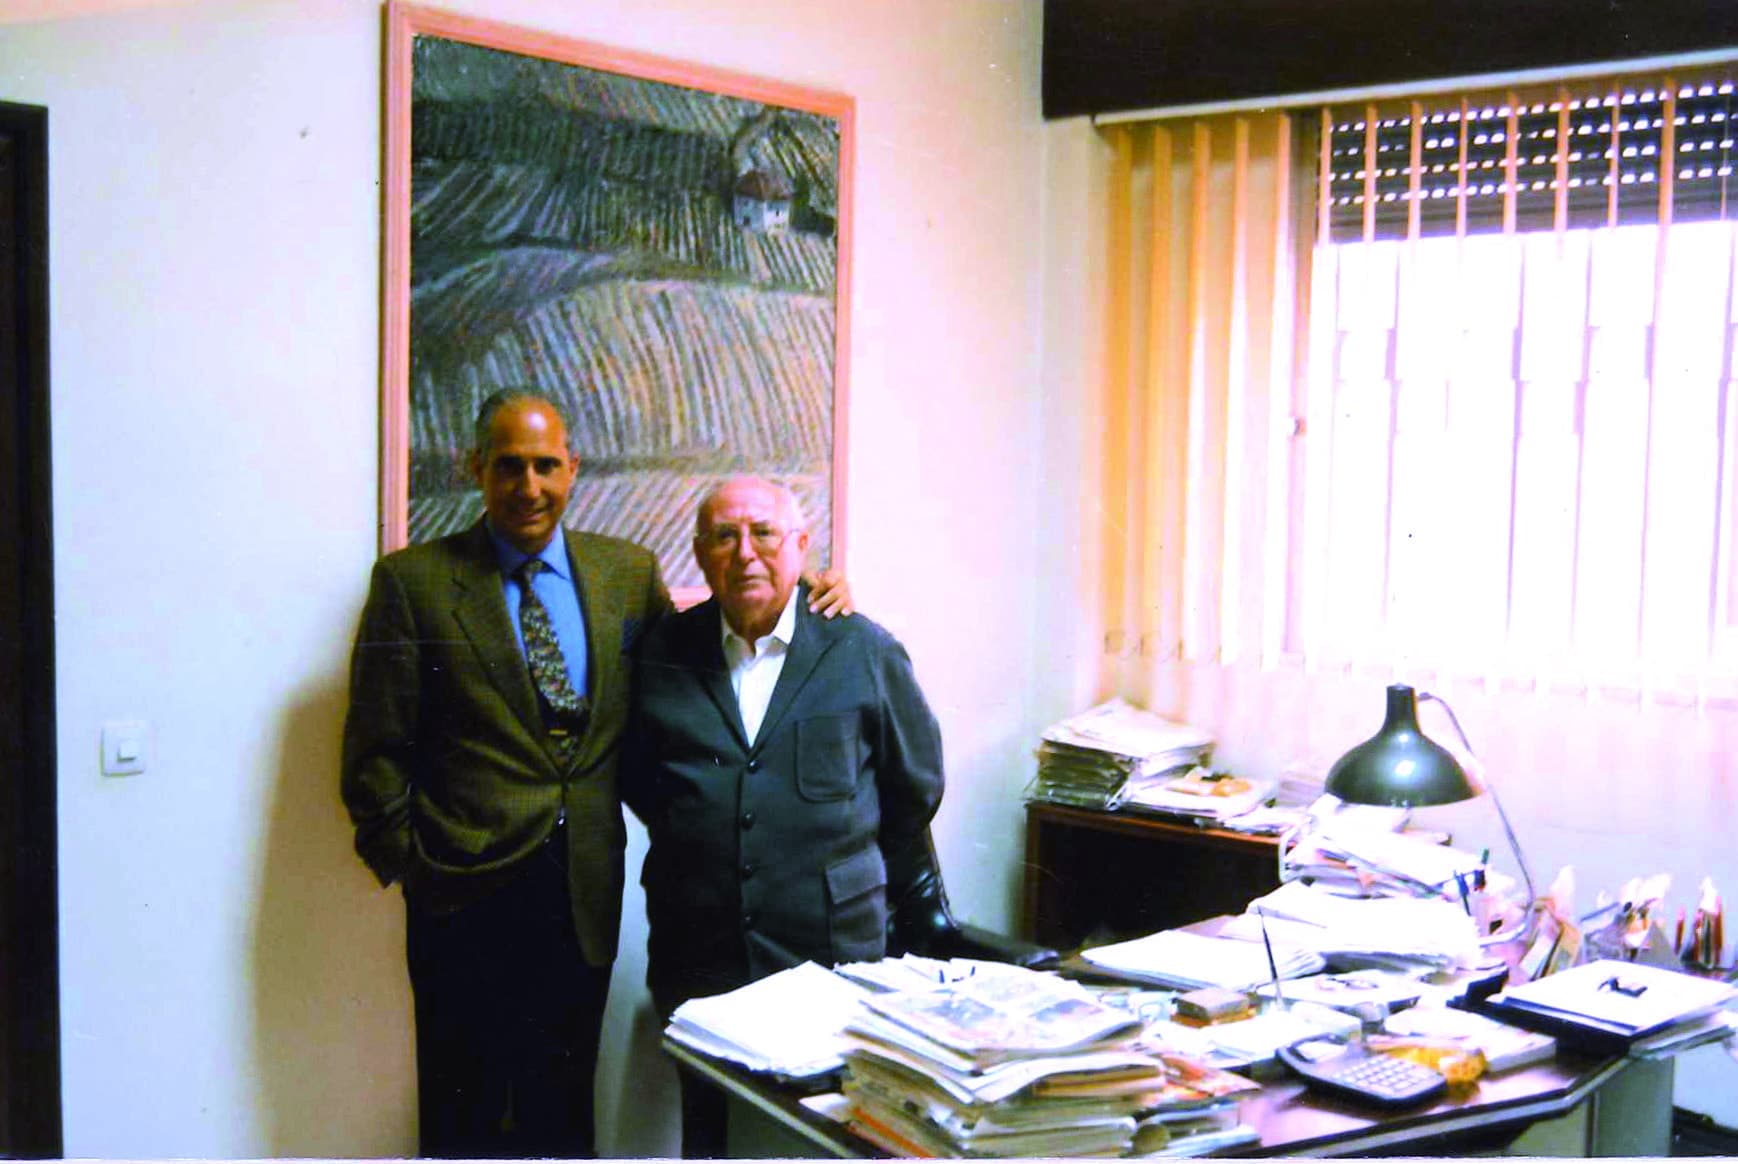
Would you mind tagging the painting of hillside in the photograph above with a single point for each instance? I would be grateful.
(661, 259)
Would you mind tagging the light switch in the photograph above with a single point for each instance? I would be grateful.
(126, 747)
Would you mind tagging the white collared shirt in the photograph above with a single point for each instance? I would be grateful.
(754, 671)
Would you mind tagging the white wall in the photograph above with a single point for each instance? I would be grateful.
(231, 979)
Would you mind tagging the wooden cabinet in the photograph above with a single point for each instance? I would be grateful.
(1100, 875)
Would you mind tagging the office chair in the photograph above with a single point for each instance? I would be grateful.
(921, 922)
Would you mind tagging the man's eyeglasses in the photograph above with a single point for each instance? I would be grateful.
(766, 539)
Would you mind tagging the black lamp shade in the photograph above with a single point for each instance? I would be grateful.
(1399, 765)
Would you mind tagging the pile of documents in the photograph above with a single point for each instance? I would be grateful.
(1361, 851)
(1184, 960)
(1095, 759)
(1421, 934)
(1010, 1062)
(1206, 798)
(1503, 1047)
(787, 1025)
(1617, 1006)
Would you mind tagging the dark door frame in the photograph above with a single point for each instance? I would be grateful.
(30, 1118)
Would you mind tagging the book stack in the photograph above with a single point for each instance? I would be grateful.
(1094, 759)
(1010, 1062)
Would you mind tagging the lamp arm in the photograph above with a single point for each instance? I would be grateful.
(1490, 786)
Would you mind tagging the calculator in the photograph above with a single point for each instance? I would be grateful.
(1353, 1070)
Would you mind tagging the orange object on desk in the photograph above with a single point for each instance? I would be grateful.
(1200, 782)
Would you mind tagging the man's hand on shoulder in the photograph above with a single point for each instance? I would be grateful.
(829, 594)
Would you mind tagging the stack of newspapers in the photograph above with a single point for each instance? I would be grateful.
(1097, 758)
(1009, 1062)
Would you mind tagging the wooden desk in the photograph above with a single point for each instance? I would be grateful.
(1115, 875)
(1589, 1106)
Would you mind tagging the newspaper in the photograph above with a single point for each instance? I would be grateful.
(1003, 1012)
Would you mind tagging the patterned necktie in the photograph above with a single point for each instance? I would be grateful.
(567, 708)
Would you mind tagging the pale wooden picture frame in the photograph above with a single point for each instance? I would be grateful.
(664, 247)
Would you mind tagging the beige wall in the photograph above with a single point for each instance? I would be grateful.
(232, 980)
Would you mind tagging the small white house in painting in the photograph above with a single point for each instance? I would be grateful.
(763, 201)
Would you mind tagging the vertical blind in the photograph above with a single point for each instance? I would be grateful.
(1432, 388)
(1521, 438)
(1204, 233)
(1492, 460)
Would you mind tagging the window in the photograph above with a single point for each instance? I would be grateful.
(1518, 438)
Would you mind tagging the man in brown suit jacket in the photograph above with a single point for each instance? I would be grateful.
(497, 813)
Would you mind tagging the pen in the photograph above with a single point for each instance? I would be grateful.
(1272, 966)
(1460, 884)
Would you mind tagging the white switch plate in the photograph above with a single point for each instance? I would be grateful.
(126, 747)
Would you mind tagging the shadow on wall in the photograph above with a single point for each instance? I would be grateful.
(638, 1110)
(333, 1043)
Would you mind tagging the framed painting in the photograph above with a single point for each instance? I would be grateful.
(660, 247)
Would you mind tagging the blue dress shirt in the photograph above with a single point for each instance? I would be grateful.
(560, 597)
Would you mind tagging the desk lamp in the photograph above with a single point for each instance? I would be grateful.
(1400, 765)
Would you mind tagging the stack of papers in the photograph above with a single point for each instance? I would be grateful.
(1614, 1005)
(1186, 961)
(1012, 1063)
(1504, 1047)
(1416, 934)
(1344, 850)
(1197, 795)
(786, 1025)
(1249, 1042)
(1089, 759)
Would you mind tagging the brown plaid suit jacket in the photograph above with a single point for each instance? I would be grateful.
(447, 773)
